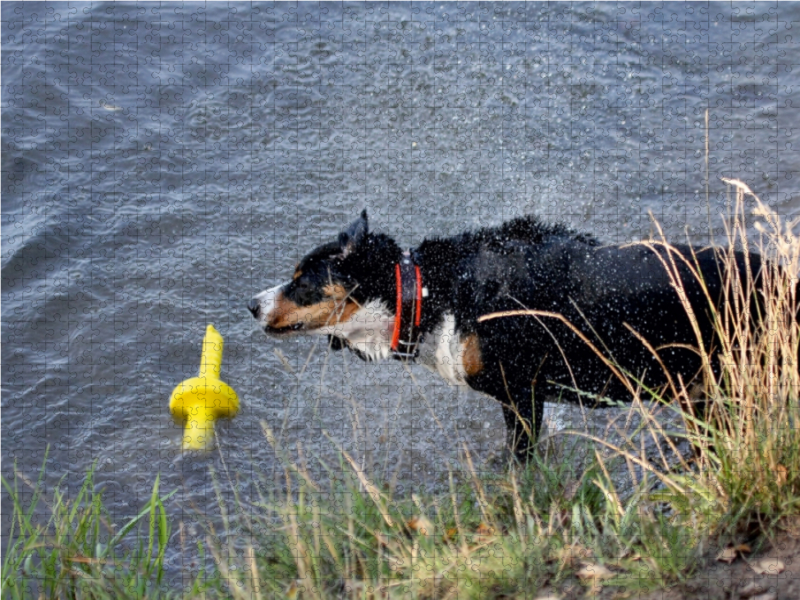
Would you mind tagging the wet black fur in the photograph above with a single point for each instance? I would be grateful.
(526, 264)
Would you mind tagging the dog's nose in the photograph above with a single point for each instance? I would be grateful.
(254, 306)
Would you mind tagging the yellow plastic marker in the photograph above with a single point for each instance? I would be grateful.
(204, 399)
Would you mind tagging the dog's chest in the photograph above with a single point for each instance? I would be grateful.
(441, 351)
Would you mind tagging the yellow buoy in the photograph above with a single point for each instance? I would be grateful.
(204, 399)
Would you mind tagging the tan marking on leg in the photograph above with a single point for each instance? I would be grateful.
(471, 355)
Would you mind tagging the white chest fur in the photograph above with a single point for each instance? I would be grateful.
(441, 351)
(369, 330)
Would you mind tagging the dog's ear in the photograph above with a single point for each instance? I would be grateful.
(351, 237)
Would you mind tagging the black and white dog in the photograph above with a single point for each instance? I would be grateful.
(559, 290)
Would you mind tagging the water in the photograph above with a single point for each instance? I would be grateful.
(164, 162)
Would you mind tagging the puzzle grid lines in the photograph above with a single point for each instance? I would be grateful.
(162, 162)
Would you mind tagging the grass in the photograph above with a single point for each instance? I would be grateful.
(603, 512)
(749, 449)
(498, 536)
(77, 553)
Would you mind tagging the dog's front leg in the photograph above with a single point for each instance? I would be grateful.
(523, 416)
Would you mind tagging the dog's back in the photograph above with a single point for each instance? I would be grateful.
(609, 295)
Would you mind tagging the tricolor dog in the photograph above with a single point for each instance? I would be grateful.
(521, 312)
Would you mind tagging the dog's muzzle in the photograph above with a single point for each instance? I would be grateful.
(264, 309)
(262, 305)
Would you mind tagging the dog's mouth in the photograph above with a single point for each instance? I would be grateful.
(283, 331)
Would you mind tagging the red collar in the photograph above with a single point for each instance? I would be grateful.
(408, 310)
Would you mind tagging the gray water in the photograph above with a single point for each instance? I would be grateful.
(163, 162)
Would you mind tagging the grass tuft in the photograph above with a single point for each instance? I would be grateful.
(77, 552)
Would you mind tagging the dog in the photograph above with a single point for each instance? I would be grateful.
(521, 312)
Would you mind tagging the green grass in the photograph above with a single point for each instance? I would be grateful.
(76, 552)
(501, 536)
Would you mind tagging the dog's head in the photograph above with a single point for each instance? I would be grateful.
(341, 289)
